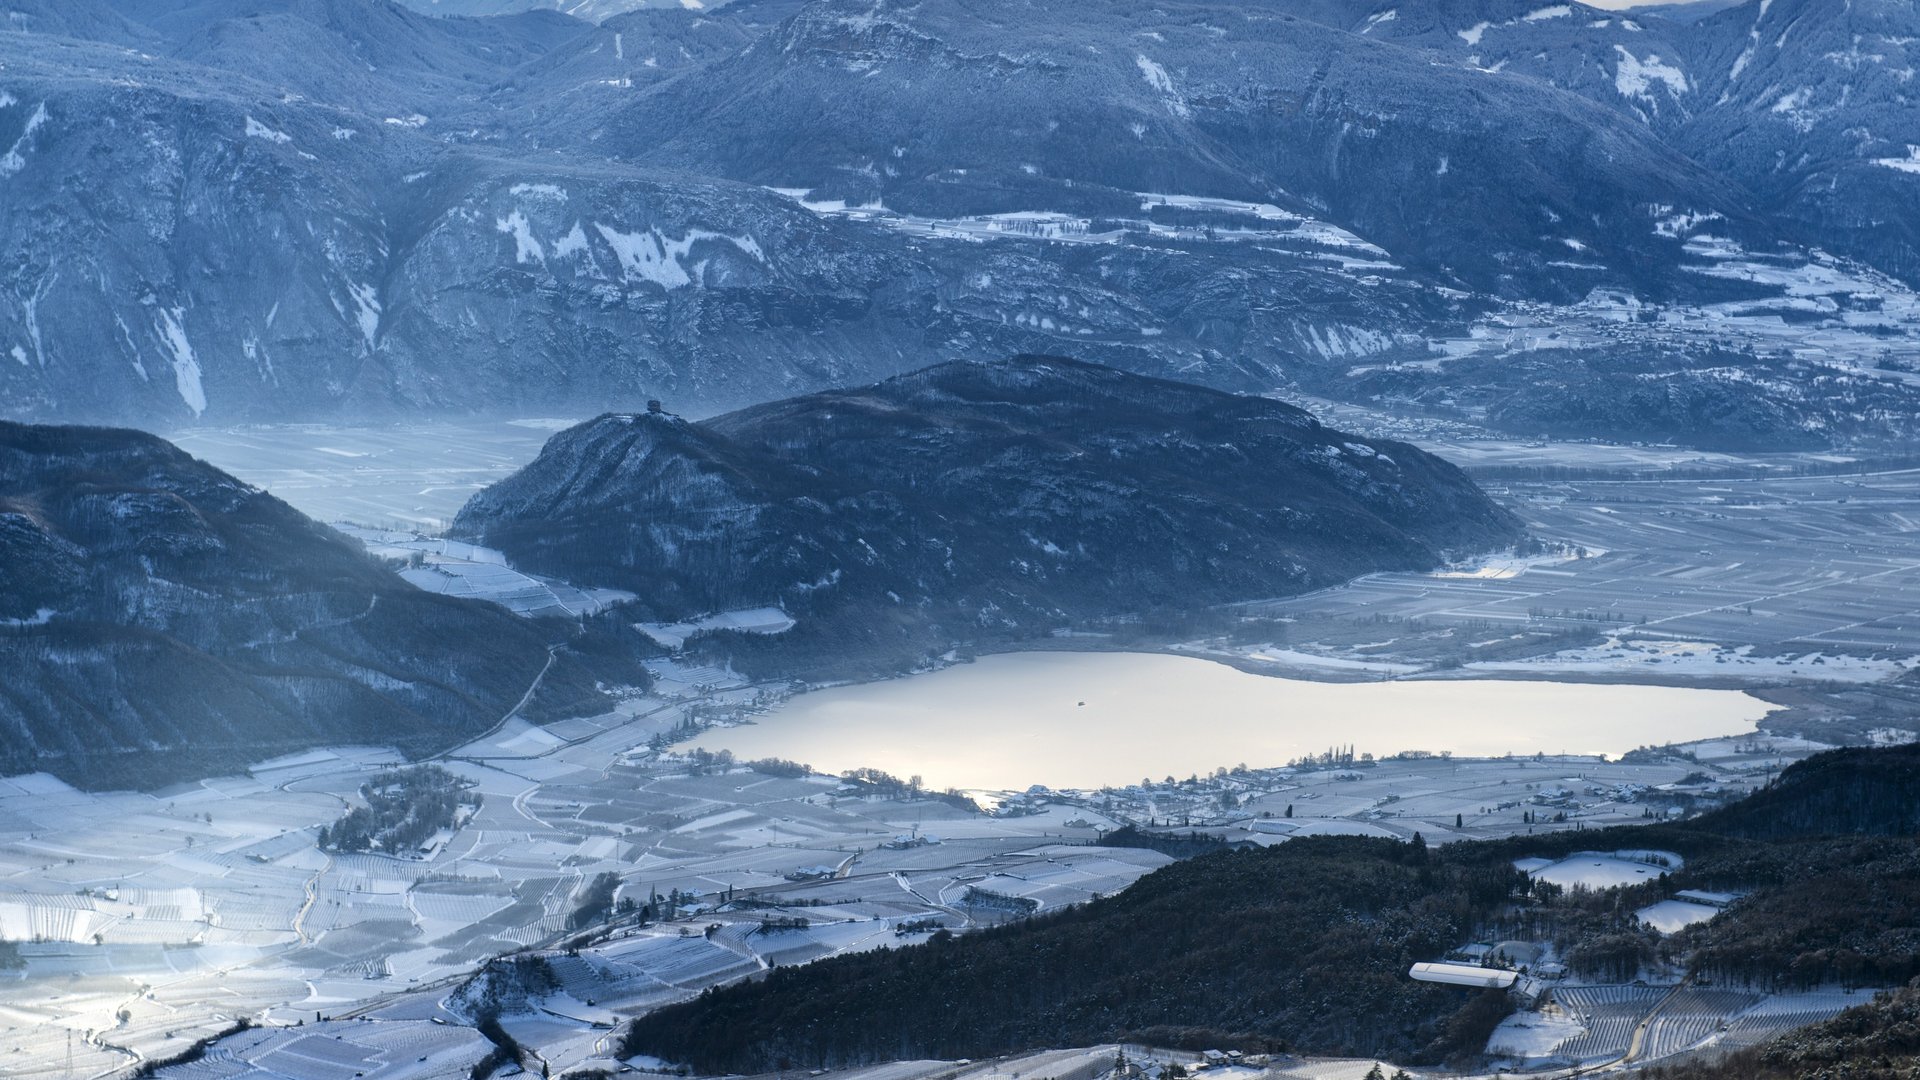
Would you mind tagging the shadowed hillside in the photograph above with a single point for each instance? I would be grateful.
(162, 620)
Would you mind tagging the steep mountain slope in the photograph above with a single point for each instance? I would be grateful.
(1463, 172)
(95, 20)
(1303, 946)
(1808, 105)
(187, 243)
(370, 55)
(162, 620)
(1686, 11)
(1852, 791)
(229, 210)
(1628, 61)
(977, 500)
(1815, 110)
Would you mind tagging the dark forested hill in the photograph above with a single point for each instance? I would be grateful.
(1306, 945)
(160, 619)
(1841, 792)
(978, 499)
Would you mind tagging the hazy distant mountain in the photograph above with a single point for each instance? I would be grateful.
(226, 210)
(1813, 109)
(1687, 11)
(1470, 175)
(1806, 104)
(595, 10)
(243, 236)
(160, 620)
(970, 500)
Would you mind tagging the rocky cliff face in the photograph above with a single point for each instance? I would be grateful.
(222, 212)
(1473, 175)
(980, 499)
(160, 619)
(1808, 106)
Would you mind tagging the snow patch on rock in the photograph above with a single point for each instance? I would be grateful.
(258, 130)
(366, 300)
(1635, 78)
(526, 248)
(186, 365)
(1910, 163)
(15, 159)
(1162, 82)
(652, 256)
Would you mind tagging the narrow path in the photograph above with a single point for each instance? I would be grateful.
(1638, 1042)
(906, 886)
(553, 653)
(520, 807)
(313, 894)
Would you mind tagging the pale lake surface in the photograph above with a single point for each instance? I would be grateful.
(1008, 721)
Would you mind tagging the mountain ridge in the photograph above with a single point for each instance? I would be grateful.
(977, 498)
(468, 214)
(163, 620)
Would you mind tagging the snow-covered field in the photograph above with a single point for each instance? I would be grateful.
(1605, 870)
(1534, 1034)
(1671, 916)
(1595, 1025)
(765, 620)
(1743, 581)
(208, 901)
(1295, 658)
(476, 573)
(1495, 567)
(1629, 655)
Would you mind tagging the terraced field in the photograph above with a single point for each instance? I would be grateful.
(1776, 1015)
(1609, 1013)
(1690, 1017)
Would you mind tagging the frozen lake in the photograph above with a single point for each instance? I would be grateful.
(1086, 720)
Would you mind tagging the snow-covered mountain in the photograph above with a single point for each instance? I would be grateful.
(266, 209)
(1807, 105)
